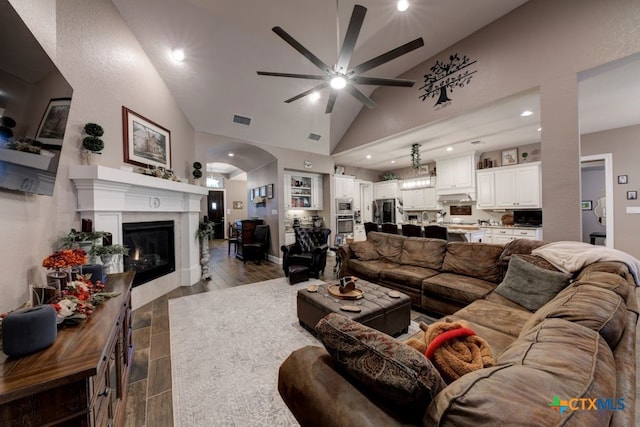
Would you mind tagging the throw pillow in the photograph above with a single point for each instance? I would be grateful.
(364, 251)
(387, 367)
(531, 286)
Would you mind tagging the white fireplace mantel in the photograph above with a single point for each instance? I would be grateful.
(104, 194)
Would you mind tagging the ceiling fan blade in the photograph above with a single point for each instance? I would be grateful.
(388, 56)
(360, 96)
(351, 37)
(295, 76)
(303, 50)
(307, 92)
(331, 102)
(381, 81)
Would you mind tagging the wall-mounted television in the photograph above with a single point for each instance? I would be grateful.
(35, 99)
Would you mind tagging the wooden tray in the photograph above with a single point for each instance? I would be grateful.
(334, 290)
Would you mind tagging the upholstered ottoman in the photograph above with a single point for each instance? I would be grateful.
(378, 309)
(298, 273)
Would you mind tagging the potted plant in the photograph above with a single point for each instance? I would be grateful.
(197, 173)
(524, 157)
(92, 144)
(106, 253)
(83, 239)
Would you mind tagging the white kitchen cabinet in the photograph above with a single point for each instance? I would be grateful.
(503, 235)
(386, 190)
(303, 191)
(420, 199)
(344, 186)
(456, 174)
(485, 191)
(518, 187)
(514, 187)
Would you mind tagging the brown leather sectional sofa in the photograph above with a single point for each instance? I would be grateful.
(578, 350)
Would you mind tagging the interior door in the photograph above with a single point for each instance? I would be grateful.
(215, 204)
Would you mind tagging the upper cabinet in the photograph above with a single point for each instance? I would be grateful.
(419, 199)
(456, 174)
(512, 187)
(303, 191)
(345, 186)
(386, 190)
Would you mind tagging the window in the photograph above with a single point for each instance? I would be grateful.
(215, 182)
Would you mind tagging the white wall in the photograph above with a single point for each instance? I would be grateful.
(107, 68)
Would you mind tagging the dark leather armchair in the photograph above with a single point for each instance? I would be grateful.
(258, 249)
(309, 250)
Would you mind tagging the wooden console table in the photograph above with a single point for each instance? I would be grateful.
(80, 380)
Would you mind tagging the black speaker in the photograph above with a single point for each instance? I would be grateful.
(29, 330)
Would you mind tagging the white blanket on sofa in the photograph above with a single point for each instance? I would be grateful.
(573, 256)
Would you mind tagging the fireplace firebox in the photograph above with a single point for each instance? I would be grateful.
(151, 249)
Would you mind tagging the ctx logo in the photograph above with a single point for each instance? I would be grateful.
(587, 404)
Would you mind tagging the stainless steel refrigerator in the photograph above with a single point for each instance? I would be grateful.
(384, 210)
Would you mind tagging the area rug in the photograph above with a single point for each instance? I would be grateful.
(226, 347)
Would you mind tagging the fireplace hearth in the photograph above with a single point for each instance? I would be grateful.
(151, 249)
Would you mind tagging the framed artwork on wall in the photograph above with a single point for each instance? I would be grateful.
(623, 179)
(632, 195)
(263, 191)
(237, 205)
(270, 191)
(251, 195)
(145, 143)
(54, 121)
(510, 157)
(586, 205)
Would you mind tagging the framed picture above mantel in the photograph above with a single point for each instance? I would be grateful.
(145, 143)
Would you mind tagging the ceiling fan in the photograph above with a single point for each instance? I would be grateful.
(341, 76)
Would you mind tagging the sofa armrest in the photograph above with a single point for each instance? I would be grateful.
(317, 394)
(287, 249)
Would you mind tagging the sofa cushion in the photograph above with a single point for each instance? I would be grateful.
(479, 260)
(389, 246)
(531, 286)
(556, 358)
(368, 269)
(456, 287)
(495, 316)
(407, 275)
(519, 247)
(388, 367)
(423, 252)
(364, 251)
(596, 308)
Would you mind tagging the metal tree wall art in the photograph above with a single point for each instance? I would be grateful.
(415, 156)
(443, 76)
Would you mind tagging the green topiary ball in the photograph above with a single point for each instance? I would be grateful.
(93, 143)
(93, 129)
(197, 173)
(197, 165)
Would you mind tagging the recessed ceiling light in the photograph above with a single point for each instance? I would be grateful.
(402, 5)
(368, 156)
(393, 161)
(539, 129)
(449, 148)
(231, 154)
(526, 113)
(177, 54)
(338, 82)
(314, 96)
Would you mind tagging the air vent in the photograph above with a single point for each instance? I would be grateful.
(241, 120)
(314, 136)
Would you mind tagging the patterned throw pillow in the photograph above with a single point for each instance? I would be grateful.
(387, 367)
(531, 286)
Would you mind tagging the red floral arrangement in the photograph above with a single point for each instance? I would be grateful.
(65, 258)
(80, 298)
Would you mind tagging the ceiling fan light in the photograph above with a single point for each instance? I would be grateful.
(177, 54)
(338, 82)
(314, 96)
(402, 5)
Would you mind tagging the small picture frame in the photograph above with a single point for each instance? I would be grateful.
(270, 191)
(586, 205)
(54, 121)
(510, 157)
(263, 191)
(623, 179)
(632, 195)
(339, 170)
(251, 193)
(237, 205)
